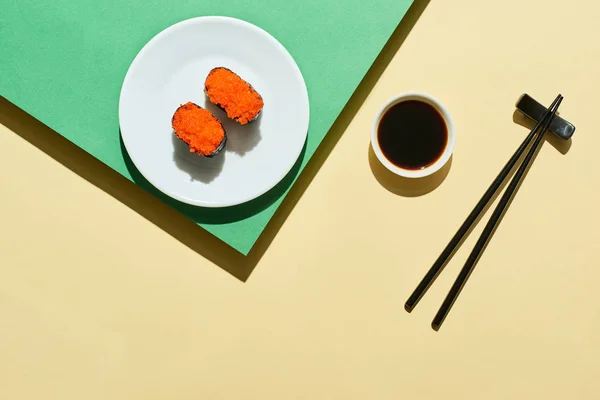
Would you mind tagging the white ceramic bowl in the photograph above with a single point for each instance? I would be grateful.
(170, 70)
(439, 106)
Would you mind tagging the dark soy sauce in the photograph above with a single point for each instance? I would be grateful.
(412, 134)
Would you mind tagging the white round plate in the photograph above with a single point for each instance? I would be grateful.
(170, 70)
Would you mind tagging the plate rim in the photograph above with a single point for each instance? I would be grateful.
(285, 53)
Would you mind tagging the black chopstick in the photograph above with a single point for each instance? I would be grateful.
(458, 237)
(494, 220)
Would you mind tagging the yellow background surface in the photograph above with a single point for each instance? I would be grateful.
(107, 294)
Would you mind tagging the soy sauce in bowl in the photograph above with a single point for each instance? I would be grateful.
(412, 134)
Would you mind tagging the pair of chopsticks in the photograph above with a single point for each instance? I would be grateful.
(536, 133)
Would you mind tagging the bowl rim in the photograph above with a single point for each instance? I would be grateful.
(448, 120)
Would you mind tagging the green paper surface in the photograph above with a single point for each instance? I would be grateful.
(64, 63)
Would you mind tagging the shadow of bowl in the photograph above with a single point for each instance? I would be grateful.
(406, 187)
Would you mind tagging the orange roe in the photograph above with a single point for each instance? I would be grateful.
(198, 128)
(236, 96)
